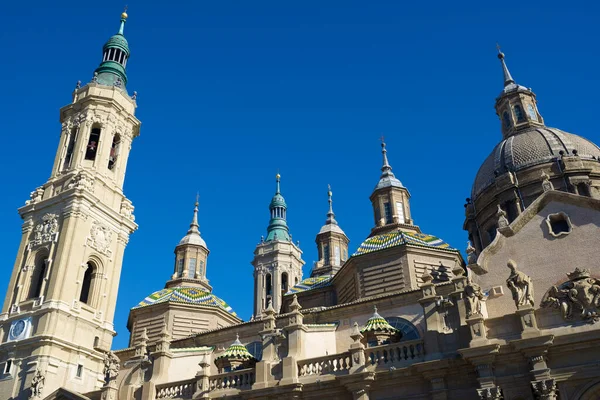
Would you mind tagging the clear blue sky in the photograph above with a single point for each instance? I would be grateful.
(232, 91)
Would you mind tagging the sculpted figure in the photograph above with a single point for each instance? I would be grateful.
(473, 299)
(471, 253)
(520, 285)
(37, 384)
(111, 366)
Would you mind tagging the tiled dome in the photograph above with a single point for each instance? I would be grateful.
(528, 148)
(188, 295)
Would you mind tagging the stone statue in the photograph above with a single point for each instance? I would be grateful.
(471, 254)
(578, 297)
(474, 298)
(111, 367)
(37, 384)
(520, 285)
(502, 220)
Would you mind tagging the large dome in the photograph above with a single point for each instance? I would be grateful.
(527, 148)
(186, 295)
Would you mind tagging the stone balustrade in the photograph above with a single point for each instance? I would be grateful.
(240, 379)
(330, 364)
(396, 354)
(176, 390)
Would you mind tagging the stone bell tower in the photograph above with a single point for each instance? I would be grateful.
(277, 260)
(57, 318)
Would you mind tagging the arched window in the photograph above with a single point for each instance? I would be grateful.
(409, 331)
(284, 282)
(255, 348)
(37, 277)
(268, 289)
(506, 119)
(531, 112)
(191, 268)
(92, 146)
(114, 151)
(326, 254)
(180, 268)
(519, 113)
(70, 148)
(583, 189)
(86, 285)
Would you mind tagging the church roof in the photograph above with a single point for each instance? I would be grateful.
(398, 238)
(378, 324)
(186, 295)
(311, 283)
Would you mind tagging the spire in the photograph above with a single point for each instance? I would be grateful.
(278, 229)
(387, 176)
(115, 54)
(330, 214)
(508, 79)
(193, 234)
(386, 169)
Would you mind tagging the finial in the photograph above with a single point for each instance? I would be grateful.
(330, 214)
(78, 85)
(386, 169)
(508, 79)
(277, 178)
(123, 19)
(194, 224)
(134, 95)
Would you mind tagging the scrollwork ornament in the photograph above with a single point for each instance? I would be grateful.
(111, 367)
(577, 298)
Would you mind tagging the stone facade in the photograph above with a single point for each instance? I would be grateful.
(404, 316)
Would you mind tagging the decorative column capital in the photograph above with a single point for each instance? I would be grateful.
(545, 389)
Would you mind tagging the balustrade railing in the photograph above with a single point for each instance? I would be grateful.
(176, 390)
(240, 379)
(396, 354)
(331, 364)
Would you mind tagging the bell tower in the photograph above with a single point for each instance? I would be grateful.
(57, 318)
(277, 260)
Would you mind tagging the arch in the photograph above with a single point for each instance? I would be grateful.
(591, 391)
(93, 141)
(268, 289)
(37, 276)
(506, 119)
(88, 283)
(115, 147)
(284, 282)
(70, 148)
(519, 113)
(409, 331)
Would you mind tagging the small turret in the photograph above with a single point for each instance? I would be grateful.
(332, 244)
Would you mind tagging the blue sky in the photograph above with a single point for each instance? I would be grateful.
(232, 91)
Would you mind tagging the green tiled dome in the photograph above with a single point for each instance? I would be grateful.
(186, 295)
(236, 351)
(311, 283)
(378, 324)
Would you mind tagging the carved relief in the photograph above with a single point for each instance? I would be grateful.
(127, 209)
(471, 254)
(45, 231)
(100, 238)
(494, 393)
(82, 181)
(578, 298)
(520, 285)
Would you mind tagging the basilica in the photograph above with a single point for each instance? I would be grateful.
(402, 316)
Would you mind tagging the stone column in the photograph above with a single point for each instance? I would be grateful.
(482, 358)
(360, 384)
(535, 350)
(162, 356)
(296, 331)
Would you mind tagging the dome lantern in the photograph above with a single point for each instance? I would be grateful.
(115, 54)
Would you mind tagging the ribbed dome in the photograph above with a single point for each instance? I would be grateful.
(277, 201)
(528, 148)
(117, 41)
(193, 238)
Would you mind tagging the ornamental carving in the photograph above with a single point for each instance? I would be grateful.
(545, 389)
(100, 238)
(35, 196)
(493, 393)
(82, 181)
(578, 298)
(520, 285)
(127, 209)
(46, 230)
